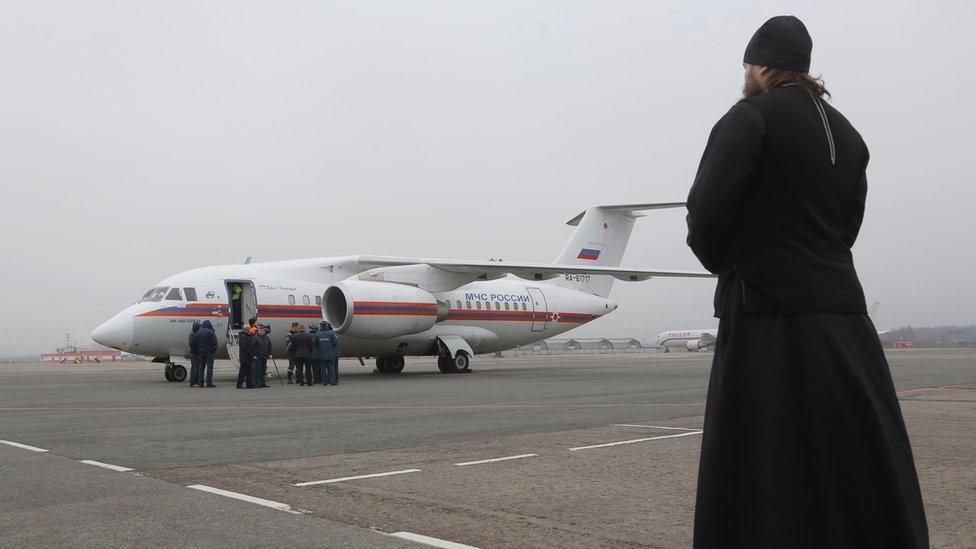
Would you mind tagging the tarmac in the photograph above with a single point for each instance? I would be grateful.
(547, 451)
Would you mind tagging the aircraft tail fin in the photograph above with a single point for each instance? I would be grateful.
(600, 239)
(874, 309)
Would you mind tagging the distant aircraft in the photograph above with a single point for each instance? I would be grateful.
(692, 340)
(392, 307)
(704, 340)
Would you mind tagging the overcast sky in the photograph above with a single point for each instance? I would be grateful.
(141, 139)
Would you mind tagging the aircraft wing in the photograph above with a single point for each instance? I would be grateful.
(530, 271)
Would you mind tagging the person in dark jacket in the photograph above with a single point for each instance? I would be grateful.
(245, 348)
(288, 347)
(191, 340)
(326, 344)
(804, 442)
(301, 351)
(262, 352)
(316, 359)
(206, 340)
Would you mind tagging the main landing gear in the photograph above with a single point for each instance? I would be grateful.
(460, 364)
(389, 364)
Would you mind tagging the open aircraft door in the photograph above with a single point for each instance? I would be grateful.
(539, 305)
(242, 306)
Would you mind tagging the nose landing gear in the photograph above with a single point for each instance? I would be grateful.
(174, 372)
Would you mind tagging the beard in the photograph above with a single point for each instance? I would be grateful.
(751, 88)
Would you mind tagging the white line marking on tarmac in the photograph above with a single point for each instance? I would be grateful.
(654, 427)
(243, 497)
(118, 468)
(433, 542)
(24, 446)
(343, 479)
(608, 444)
(507, 458)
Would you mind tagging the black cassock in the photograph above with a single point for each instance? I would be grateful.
(804, 442)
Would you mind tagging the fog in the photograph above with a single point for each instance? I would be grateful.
(141, 139)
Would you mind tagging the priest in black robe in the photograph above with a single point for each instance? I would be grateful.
(804, 444)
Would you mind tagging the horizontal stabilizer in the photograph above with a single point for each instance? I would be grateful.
(628, 208)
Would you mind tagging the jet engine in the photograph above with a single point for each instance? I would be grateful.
(379, 310)
(694, 345)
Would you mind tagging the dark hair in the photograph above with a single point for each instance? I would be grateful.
(812, 84)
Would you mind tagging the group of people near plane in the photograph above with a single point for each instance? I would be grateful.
(313, 354)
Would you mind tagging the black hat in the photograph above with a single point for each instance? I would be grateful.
(781, 43)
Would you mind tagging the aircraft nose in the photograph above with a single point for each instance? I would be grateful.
(116, 332)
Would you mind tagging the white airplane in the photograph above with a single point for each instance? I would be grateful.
(702, 340)
(392, 307)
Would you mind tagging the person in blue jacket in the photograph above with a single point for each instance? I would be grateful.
(326, 346)
(206, 340)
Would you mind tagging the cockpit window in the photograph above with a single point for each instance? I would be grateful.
(174, 295)
(190, 293)
(155, 294)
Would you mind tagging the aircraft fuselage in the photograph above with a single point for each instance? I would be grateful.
(490, 315)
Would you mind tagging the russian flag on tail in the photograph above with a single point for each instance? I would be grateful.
(589, 253)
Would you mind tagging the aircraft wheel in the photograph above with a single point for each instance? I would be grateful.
(382, 364)
(178, 373)
(394, 364)
(445, 364)
(461, 363)
(168, 373)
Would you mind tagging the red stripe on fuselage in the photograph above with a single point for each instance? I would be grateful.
(422, 309)
(215, 309)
